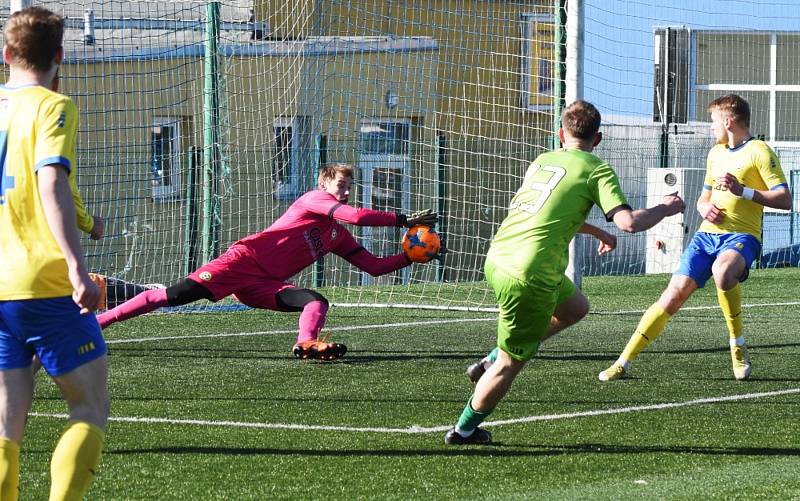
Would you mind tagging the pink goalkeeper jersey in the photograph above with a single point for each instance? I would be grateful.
(307, 231)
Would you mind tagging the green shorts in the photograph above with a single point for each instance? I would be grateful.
(525, 310)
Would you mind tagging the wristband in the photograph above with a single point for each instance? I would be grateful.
(747, 193)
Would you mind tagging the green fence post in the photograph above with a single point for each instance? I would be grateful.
(211, 155)
(190, 216)
(441, 196)
(319, 266)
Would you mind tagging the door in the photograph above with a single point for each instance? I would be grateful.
(384, 164)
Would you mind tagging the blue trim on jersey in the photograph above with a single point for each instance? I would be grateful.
(704, 248)
(707, 187)
(6, 182)
(53, 329)
(779, 186)
(52, 161)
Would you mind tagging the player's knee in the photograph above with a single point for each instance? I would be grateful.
(93, 406)
(580, 311)
(103, 408)
(673, 298)
(185, 292)
(725, 281)
(323, 303)
(297, 299)
(322, 300)
(572, 317)
(726, 277)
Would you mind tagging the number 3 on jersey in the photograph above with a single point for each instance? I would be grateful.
(544, 189)
(6, 182)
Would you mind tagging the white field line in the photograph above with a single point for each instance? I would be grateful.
(486, 309)
(403, 324)
(435, 429)
(294, 331)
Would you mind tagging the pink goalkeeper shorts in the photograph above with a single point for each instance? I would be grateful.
(237, 273)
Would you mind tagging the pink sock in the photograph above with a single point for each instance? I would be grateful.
(312, 320)
(142, 303)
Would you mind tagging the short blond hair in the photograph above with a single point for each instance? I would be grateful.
(734, 106)
(329, 172)
(33, 37)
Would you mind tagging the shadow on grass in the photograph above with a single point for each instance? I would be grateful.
(723, 348)
(372, 356)
(493, 450)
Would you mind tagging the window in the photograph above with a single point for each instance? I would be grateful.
(759, 108)
(733, 58)
(788, 56)
(384, 170)
(292, 143)
(762, 68)
(786, 106)
(378, 137)
(165, 159)
(538, 59)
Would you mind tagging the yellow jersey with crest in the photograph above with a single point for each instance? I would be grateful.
(37, 128)
(756, 166)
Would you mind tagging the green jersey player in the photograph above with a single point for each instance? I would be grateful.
(529, 254)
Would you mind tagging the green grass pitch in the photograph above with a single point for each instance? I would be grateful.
(197, 414)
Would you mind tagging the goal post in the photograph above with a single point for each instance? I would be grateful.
(574, 92)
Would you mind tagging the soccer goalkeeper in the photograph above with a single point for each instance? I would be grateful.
(255, 269)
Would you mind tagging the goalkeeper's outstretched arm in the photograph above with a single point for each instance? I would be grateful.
(374, 265)
(354, 253)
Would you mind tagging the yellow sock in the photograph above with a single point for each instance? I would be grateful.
(9, 470)
(74, 460)
(650, 327)
(730, 302)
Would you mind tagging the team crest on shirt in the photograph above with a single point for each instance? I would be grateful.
(333, 234)
(205, 275)
(62, 119)
(739, 246)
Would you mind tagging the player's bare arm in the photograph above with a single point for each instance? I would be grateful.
(60, 212)
(607, 241)
(776, 199)
(98, 228)
(708, 210)
(633, 221)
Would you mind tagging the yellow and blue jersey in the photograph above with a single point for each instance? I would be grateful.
(37, 128)
(756, 166)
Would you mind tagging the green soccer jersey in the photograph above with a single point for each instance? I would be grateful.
(553, 202)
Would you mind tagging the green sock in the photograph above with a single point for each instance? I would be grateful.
(470, 418)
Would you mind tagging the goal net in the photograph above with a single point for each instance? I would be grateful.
(201, 122)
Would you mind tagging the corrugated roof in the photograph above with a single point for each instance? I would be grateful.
(128, 19)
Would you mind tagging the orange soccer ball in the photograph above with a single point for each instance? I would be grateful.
(421, 243)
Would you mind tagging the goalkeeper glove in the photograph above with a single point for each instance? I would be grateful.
(425, 218)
